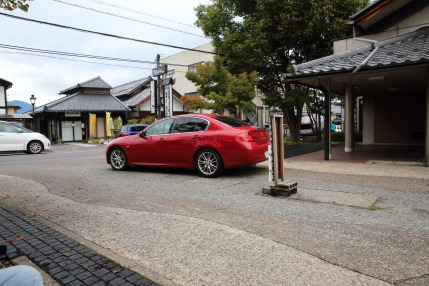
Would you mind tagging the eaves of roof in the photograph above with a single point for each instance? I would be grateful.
(130, 87)
(84, 102)
(405, 50)
(5, 83)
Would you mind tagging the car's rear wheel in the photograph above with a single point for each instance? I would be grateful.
(118, 159)
(208, 163)
(34, 147)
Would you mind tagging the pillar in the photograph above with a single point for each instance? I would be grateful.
(427, 120)
(327, 126)
(349, 119)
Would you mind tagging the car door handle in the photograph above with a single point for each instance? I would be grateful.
(196, 137)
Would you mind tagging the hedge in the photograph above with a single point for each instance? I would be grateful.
(340, 136)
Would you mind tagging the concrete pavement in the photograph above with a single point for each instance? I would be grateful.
(174, 226)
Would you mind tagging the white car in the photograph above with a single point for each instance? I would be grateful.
(16, 138)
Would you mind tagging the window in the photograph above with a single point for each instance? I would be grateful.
(193, 67)
(11, 128)
(189, 124)
(161, 127)
(233, 122)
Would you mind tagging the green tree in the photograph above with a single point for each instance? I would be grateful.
(14, 4)
(269, 36)
(223, 91)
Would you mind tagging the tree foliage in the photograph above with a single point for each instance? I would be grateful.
(269, 36)
(223, 91)
(11, 5)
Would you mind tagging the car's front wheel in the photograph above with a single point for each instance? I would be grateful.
(34, 147)
(118, 159)
(208, 163)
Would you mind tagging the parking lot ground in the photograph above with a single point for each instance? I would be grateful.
(192, 231)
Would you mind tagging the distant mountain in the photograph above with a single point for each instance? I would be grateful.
(25, 106)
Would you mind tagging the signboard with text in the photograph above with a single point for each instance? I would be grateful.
(153, 96)
(72, 114)
(162, 69)
(168, 98)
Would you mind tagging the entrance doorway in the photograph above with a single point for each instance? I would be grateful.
(71, 130)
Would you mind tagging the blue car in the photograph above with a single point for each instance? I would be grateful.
(131, 129)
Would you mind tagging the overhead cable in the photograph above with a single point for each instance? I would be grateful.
(41, 51)
(142, 13)
(104, 34)
(73, 54)
(127, 18)
(38, 55)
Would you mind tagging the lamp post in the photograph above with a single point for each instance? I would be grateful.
(33, 102)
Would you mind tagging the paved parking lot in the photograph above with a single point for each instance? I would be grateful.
(173, 225)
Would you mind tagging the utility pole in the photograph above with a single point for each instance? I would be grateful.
(158, 93)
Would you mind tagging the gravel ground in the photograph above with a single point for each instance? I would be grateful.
(394, 208)
(198, 231)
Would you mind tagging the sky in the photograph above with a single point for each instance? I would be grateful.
(168, 22)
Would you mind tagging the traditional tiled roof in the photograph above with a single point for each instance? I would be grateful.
(129, 87)
(5, 83)
(139, 97)
(407, 49)
(84, 102)
(97, 83)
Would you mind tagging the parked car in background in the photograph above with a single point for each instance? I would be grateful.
(208, 143)
(131, 129)
(17, 138)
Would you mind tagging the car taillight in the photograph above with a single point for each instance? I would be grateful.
(125, 134)
(245, 137)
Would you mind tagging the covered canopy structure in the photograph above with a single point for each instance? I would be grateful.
(389, 74)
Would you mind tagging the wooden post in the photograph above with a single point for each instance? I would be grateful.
(276, 160)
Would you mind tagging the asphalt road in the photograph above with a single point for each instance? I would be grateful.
(174, 226)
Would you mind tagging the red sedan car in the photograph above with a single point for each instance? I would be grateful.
(207, 143)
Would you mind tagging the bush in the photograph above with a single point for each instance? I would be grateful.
(144, 120)
(147, 120)
(340, 136)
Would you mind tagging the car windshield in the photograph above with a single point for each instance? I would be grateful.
(231, 121)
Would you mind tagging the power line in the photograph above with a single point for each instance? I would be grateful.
(37, 55)
(142, 13)
(73, 54)
(104, 34)
(41, 51)
(127, 18)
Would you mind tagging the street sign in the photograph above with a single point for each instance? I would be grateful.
(168, 97)
(162, 69)
(153, 96)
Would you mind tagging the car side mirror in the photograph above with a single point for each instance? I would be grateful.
(20, 130)
(142, 134)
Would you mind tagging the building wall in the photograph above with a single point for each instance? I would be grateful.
(186, 58)
(412, 23)
(2, 100)
(397, 119)
(368, 120)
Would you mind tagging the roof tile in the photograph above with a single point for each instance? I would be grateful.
(408, 48)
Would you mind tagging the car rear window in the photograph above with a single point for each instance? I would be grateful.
(231, 121)
(305, 126)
